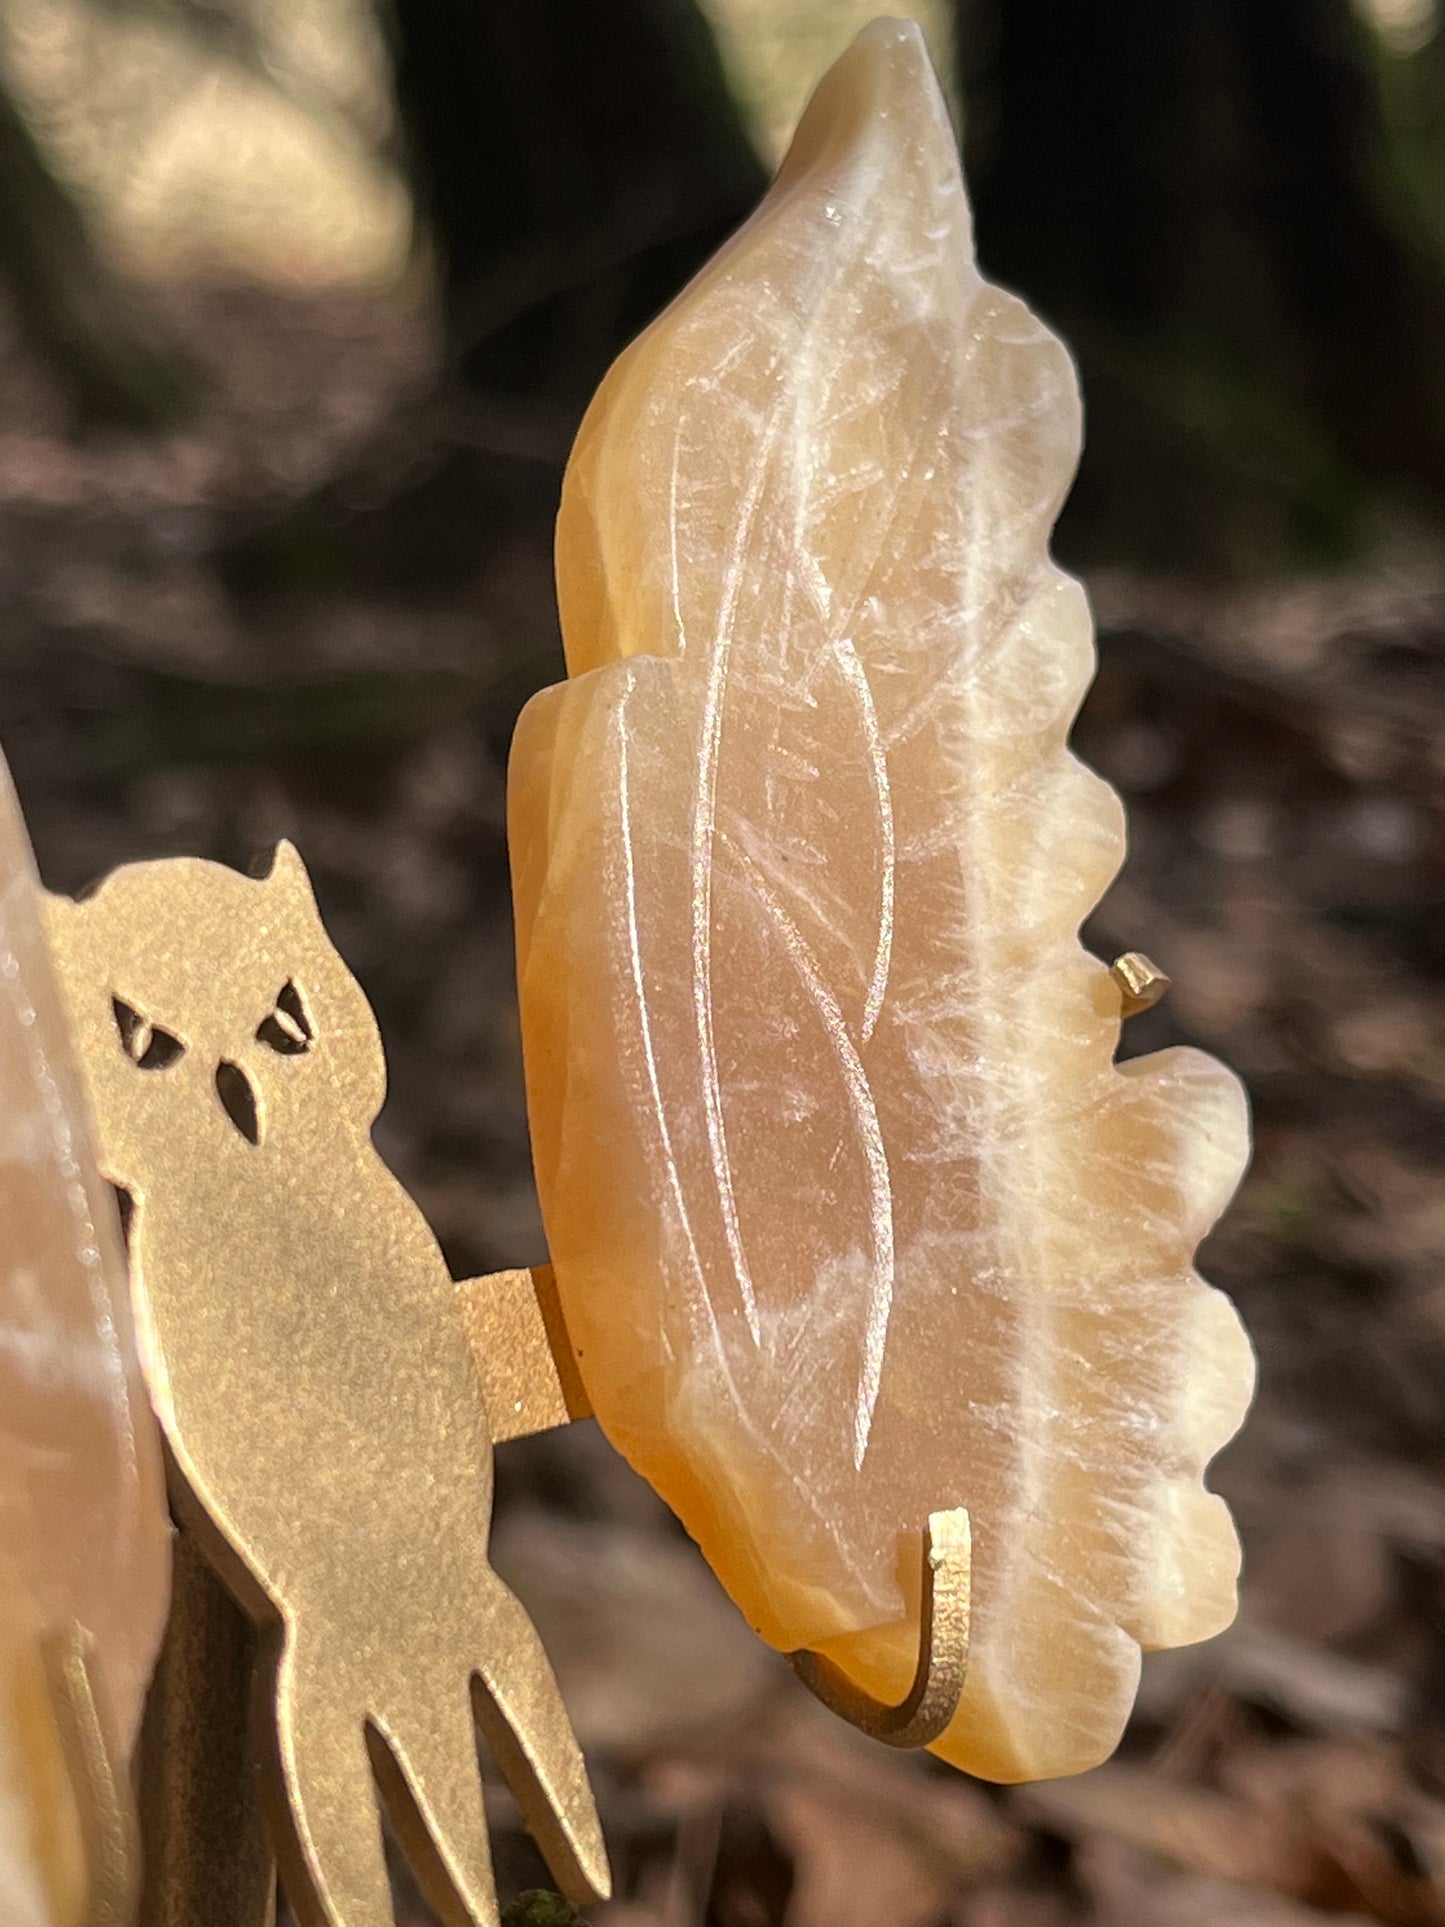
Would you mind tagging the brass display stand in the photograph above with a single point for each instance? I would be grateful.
(232, 1776)
(206, 1852)
(207, 1858)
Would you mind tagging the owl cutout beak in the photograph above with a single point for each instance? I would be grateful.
(239, 1100)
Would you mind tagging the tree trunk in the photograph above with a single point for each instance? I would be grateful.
(576, 160)
(1203, 197)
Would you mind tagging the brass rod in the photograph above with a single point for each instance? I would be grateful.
(521, 1351)
(1141, 982)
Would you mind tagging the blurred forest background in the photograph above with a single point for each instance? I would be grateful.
(300, 301)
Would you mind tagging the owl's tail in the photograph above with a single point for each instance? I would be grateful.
(428, 1770)
(332, 1857)
(518, 1706)
(341, 1735)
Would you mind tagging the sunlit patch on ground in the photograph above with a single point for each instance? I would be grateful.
(252, 142)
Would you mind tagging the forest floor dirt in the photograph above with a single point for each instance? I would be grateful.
(315, 615)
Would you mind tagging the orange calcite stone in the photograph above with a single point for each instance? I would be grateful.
(853, 1214)
(84, 1531)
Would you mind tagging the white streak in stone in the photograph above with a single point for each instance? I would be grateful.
(878, 984)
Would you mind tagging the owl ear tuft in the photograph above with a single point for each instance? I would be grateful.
(289, 871)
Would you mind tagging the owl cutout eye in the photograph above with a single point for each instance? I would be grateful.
(147, 1046)
(287, 1030)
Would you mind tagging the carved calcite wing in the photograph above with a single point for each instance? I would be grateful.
(84, 1531)
(852, 1212)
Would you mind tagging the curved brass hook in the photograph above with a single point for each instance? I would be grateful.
(943, 1628)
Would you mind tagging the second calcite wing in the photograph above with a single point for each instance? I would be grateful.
(84, 1529)
(853, 1214)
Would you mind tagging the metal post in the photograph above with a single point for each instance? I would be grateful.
(207, 1859)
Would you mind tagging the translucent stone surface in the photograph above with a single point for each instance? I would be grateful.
(84, 1535)
(853, 1215)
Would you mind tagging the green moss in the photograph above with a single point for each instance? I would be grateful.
(538, 1908)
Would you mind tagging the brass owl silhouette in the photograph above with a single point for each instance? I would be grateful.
(308, 1359)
